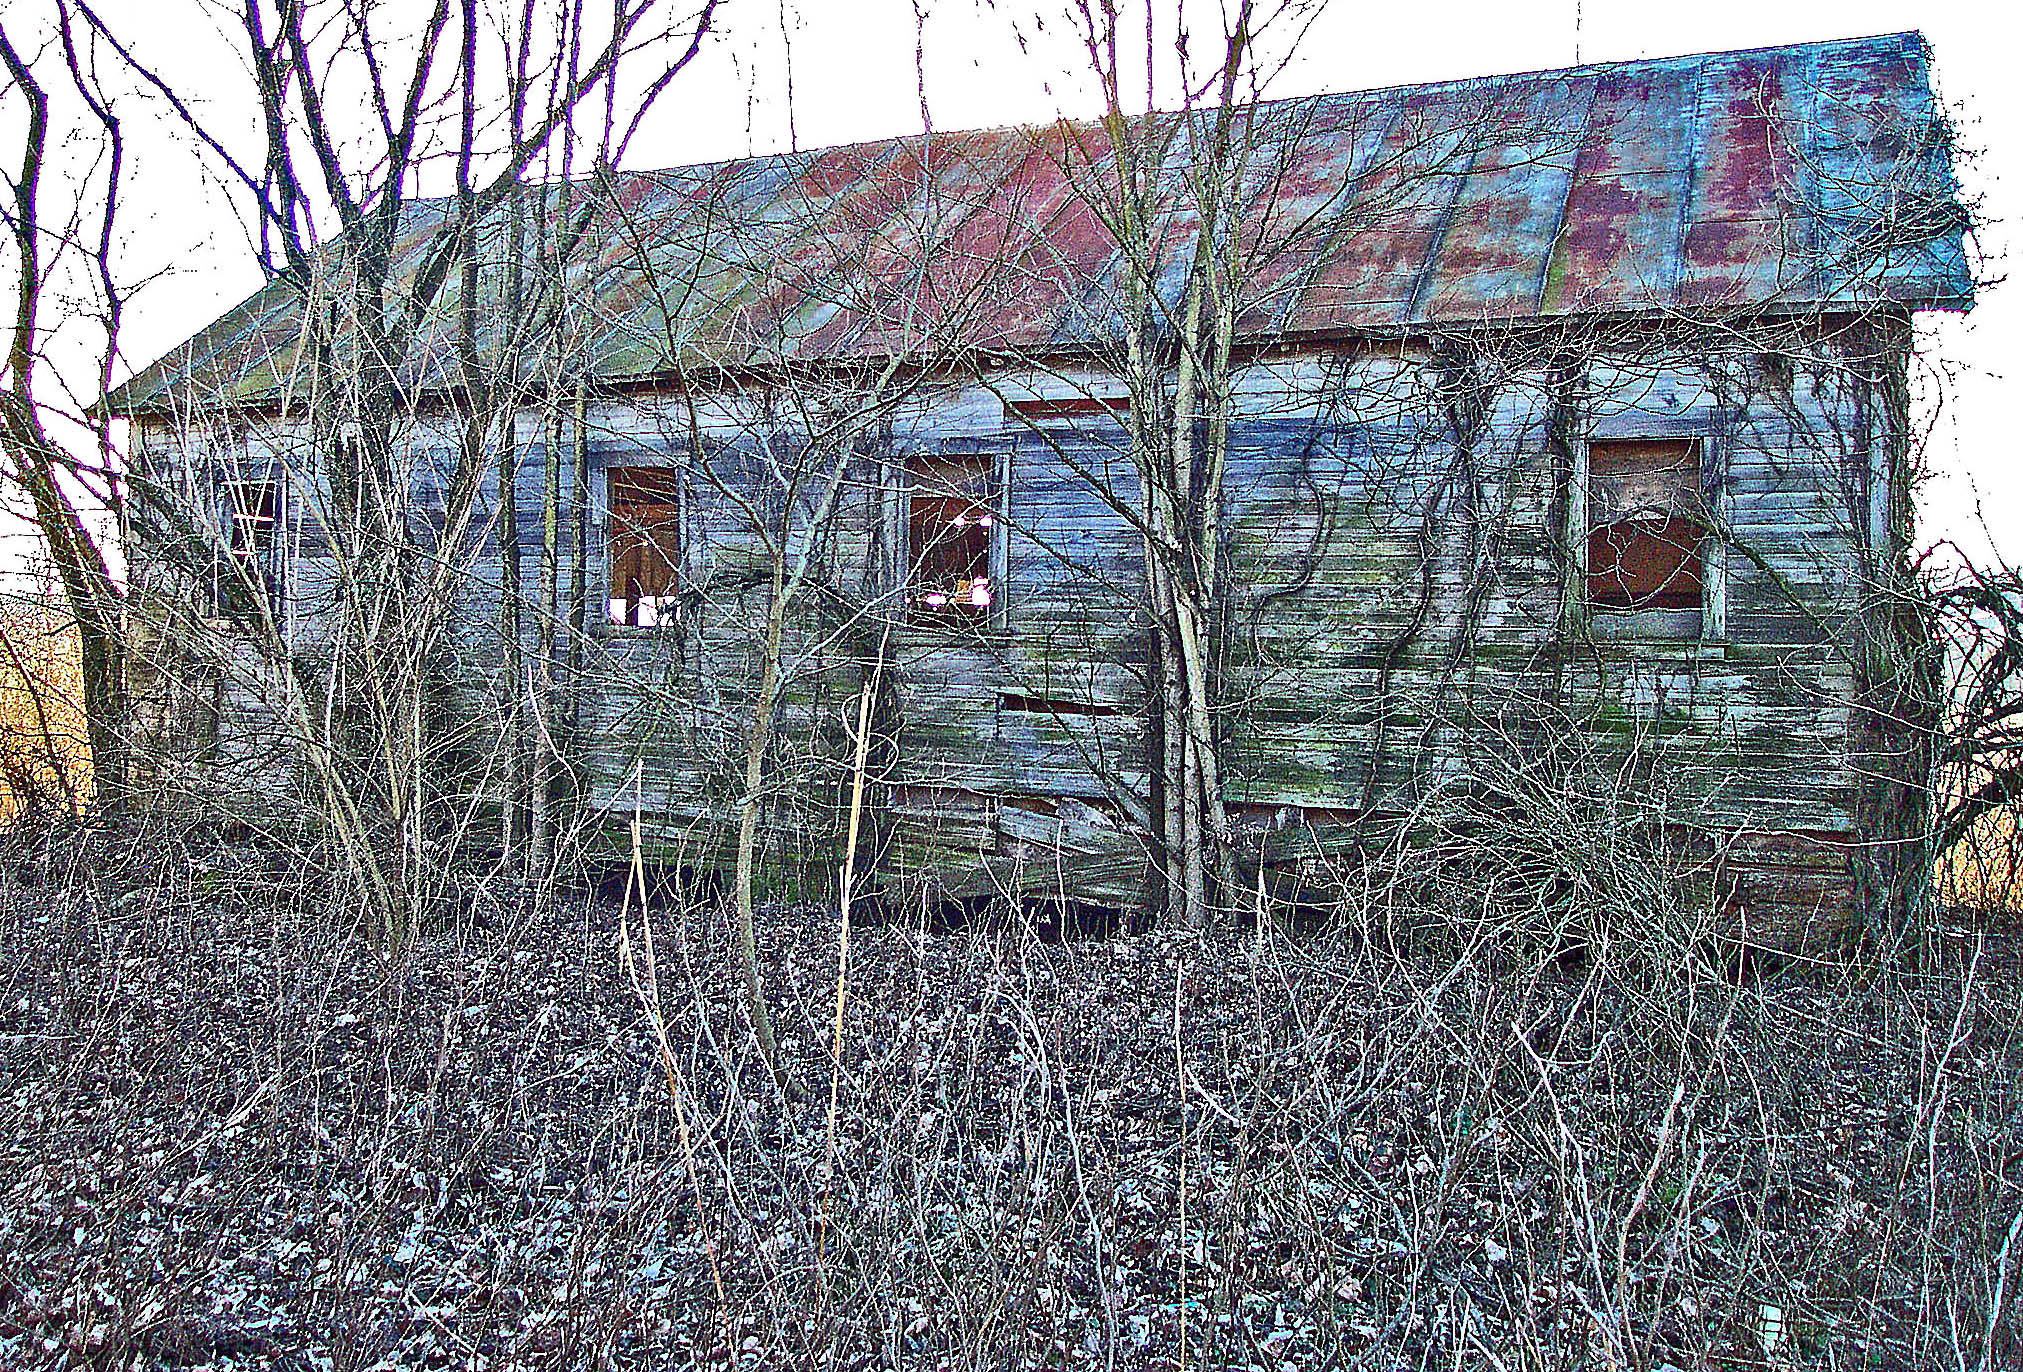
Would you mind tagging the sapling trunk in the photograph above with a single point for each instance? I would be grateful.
(757, 742)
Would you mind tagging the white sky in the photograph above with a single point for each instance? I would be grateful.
(854, 77)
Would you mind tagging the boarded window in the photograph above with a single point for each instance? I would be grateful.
(645, 543)
(254, 511)
(951, 522)
(1647, 525)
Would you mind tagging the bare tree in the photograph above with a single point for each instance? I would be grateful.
(57, 454)
(1194, 198)
(366, 278)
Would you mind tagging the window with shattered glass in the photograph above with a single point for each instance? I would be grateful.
(952, 527)
(645, 544)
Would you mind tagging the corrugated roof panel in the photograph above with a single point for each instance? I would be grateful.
(1503, 226)
(1617, 246)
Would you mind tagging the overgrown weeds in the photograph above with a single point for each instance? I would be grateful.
(234, 1135)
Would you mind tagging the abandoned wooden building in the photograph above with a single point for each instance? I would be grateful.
(1566, 416)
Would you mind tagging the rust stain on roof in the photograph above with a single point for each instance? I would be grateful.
(1804, 177)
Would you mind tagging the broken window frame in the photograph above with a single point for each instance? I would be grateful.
(648, 607)
(255, 533)
(960, 610)
(1655, 624)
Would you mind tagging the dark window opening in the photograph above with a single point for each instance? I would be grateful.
(951, 522)
(645, 543)
(1647, 525)
(254, 511)
(1069, 407)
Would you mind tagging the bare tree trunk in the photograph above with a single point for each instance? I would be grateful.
(758, 740)
(38, 462)
(811, 476)
(541, 837)
(1168, 700)
(512, 660)
(579, 541)
(513, 798)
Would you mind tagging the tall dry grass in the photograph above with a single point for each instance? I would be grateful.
(1984, 870)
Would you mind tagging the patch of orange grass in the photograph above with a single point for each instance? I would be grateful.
(1984, 870)
(45, 759)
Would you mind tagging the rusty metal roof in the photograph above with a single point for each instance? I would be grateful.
(1808, 177)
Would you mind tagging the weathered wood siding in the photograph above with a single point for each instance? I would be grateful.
(1402, 600)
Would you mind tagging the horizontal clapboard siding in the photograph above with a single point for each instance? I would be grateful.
(1398, 599)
